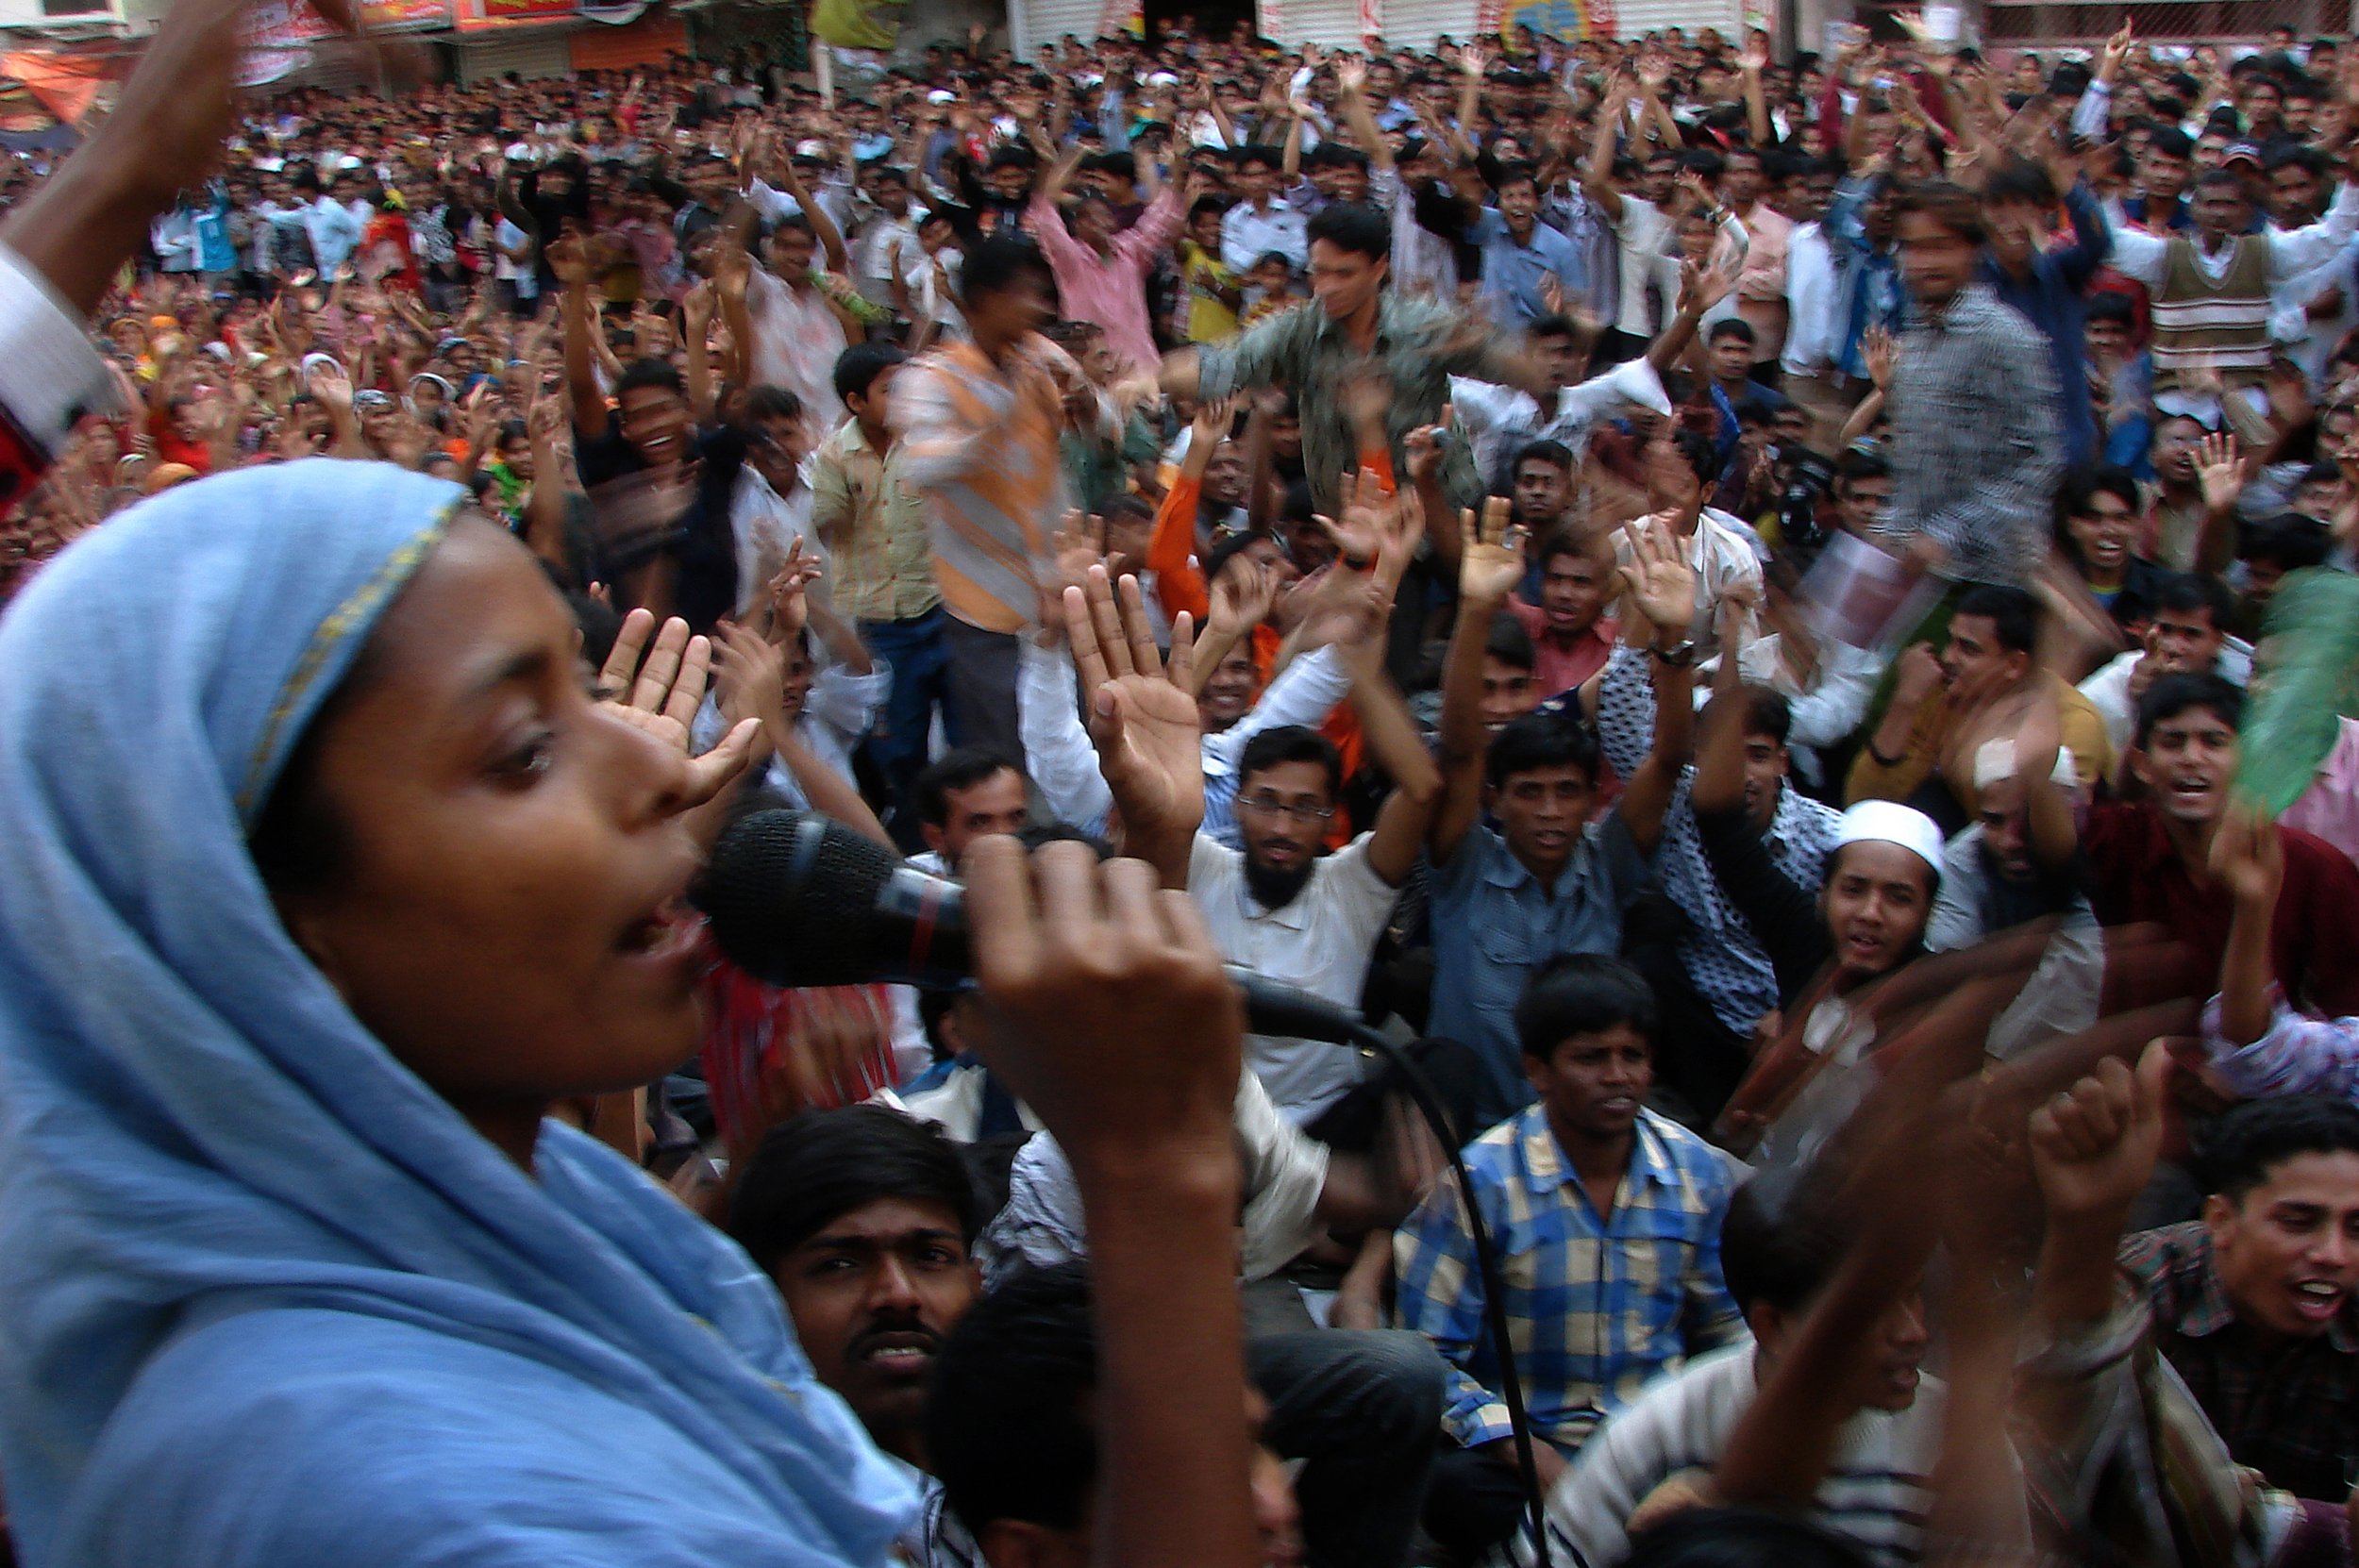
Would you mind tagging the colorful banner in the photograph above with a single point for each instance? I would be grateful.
(60, 87)
(856, 24)
(1564, 19)
(286, 23)
(488, 15)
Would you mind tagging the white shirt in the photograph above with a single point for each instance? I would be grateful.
(2291, 251)
(1726, 554)
(1876, 1493)
(1641, 236)
(1248, 234)
(1810, 296)
(2108, 689)
(765, 526)
(1321, 942)
(1500, 420)
(797, 339)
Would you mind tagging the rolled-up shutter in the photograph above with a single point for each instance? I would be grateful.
(1033, 24)
(540, 52)
(1418, 22)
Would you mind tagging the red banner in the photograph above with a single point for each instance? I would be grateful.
(482, 15)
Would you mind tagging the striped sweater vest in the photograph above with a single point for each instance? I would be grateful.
(2223, 322)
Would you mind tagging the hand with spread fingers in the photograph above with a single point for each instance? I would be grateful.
(658, 689)
(1491, 559)
(1143, 718)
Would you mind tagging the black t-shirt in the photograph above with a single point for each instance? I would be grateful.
(697, 536)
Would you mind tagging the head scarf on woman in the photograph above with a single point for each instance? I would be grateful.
(268, 1297)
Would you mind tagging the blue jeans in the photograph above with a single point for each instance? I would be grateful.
(921, 671)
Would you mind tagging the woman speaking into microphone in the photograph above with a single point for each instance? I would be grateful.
(325, 875)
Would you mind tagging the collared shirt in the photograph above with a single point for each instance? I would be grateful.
(1424, 263)
(797, 339)
(1514, 271)
(1727, 963)
(1973, 405)
(2108, 689)
(1494, 924)
(1320, 940)
(1419, 346)
(1110, 290)
(2290, 1411)
(2314, 940)
(1556, 668)
(1597, 1306)
(873, 521)
(979, 442)
(1248, 234)
(1502, 421)
(1868, 281)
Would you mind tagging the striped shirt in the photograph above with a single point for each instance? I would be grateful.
(1876, 1490)
(979, 442)
(1595, 1307)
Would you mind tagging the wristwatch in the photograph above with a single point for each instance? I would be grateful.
(1680, 655)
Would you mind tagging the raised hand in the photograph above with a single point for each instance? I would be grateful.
(1491, 562)
(2117, 46)
(1881, 352)
(1361, 502)
(658, 689)
(1919, 675)
(1142, 718)
(2093, 1146)
(2249, 857)
(1658, 578)
(748, 673)
(2219, 466)
(1243, 596)
(1425, 445)
(1351, 74)
(569, 258)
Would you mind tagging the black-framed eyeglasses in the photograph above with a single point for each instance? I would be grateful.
(1270, 806)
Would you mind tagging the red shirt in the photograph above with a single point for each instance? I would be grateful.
(2314, 942)
(1558, 669)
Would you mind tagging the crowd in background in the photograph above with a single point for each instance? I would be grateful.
(1707, 590)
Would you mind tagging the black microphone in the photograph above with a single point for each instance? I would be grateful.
(799, 899)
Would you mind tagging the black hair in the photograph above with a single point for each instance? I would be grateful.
(2248, 1141)
(1732, 326)
(1284, 743)
(1355, 227)
(959, 768)
(1767, 713)
(1120, 165)
(1510, 644)
(1698, 451)
(1516, 173)
(1254, 151)
(1230, 548)
(1742, 1538)
(1215, 205)
(2222, 179)
(2292, 155)
(1854, 466)
(1951, 205)
(1565, 540)
(1554, 453)
(2192, 591)
(2021, 180)
(1008, 1431)
(1576, 993)
(2288, 542)
(1553, 327)
(812, 1169)
(2172, 141)
(2082, 487)
(2012, 611)
(994, 266)
(1538, 741)
(2184, 692)
(858, 367)
(1778, 1252)
(641, 374)
(769, 402)
(1136, 507)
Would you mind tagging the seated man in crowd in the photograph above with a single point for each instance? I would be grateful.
(1944, 703)
(2186, 634)
(1608, 1220)
(864, 1219)
(2253, 1305)
(1010, 1421)
(966, 793)
(1546, 879)
(2149, 858)
(1778, 1259)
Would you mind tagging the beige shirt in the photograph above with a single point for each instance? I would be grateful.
(873, 523)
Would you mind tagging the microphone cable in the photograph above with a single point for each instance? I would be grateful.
(1429, 1106)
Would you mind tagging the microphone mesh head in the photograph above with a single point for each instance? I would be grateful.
(792, 898)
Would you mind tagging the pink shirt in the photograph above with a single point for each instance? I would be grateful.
(1110, 290)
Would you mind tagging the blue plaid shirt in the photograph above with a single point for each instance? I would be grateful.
(1594, 1309)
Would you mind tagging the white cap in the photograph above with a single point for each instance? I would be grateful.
(1162, 78)
(1888, 822)
(939, 95)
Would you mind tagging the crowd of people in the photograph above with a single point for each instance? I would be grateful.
(1704, 592)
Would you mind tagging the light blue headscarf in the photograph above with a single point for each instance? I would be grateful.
(264, 1297)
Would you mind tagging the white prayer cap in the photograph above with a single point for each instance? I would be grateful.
(1994, 762)
(1888, 822)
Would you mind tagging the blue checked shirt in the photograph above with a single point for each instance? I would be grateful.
(1594, 1309)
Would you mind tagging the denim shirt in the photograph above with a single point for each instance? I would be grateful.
(1494, 924)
